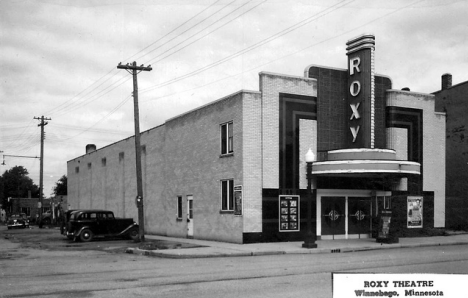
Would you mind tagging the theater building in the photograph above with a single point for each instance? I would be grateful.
(234, 170)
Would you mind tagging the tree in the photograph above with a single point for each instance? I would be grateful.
(16, 184)
(60, 188)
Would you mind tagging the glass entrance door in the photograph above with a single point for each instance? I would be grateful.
(359, 218)
(333, 215)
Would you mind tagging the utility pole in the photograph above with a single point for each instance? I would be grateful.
(133, 69)
(41, 174)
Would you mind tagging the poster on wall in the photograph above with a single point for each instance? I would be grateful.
(415, 212)
(238, 200)
(289, 220)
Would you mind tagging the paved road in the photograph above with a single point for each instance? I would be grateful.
(75, 272)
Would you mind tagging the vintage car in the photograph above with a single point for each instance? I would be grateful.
(18, 221)
(46, 218)
(85, 225)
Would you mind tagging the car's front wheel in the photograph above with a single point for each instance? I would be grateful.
(134, 234)
(86, 235)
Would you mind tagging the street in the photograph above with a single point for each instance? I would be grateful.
(105, 270)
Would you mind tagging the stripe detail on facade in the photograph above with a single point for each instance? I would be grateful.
(292, 109)
(411, 120)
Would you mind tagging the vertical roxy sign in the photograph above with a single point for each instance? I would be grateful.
(361, 99)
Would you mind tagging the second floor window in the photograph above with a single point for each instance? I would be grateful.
(227, 145)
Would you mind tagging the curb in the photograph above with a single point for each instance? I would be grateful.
(169, 255)
(173, 255)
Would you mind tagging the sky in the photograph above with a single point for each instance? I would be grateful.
(59, 58)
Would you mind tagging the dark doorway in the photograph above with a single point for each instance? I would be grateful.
(359, 219)
(333, 216)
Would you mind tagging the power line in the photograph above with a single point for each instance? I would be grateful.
(98, 95)
(69, 101)
(74, 127)
(221, 18)
(173, 30)
(68, 105)
(100, 120)
(23, 132)
(238, 53)
(88, 129)
(252, 47)
(285, 56)
(86, 102)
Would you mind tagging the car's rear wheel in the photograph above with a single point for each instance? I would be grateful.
(46, 221)
(134, 234)
(86, 235)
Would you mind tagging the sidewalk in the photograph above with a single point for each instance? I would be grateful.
(211, 249)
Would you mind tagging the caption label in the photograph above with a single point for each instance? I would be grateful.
(398, 285)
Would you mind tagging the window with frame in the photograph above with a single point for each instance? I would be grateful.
(227, 195)
(26, 210)
(179, 207)
(227, 142)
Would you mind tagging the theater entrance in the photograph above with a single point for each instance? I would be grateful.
(344, 214)
(359, 218)
(333, 216)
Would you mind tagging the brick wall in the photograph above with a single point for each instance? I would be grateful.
(271, 85)
(433, 146)
(179, 158)
(193, 166)
(252, 162)
(454, 101)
